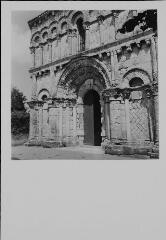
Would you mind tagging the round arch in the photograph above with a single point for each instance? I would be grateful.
(43, 93)
(89, 85)
(79, 70)
(76, 16)
(137, 73)
(34, 37)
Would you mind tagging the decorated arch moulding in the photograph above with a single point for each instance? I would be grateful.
(44, 29)
(139, 73)
(36, 34)
(43, 92)
(74, 16)
(75, 65)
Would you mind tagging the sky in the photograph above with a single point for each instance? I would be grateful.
(21, 59)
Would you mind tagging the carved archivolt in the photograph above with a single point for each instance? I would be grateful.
(77, 71)
(137, 73)
(43, 92)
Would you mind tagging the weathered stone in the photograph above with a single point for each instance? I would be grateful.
(75, 53)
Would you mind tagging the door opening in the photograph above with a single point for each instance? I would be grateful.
(92, 118)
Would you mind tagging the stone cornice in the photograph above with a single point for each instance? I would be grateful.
(117, 45)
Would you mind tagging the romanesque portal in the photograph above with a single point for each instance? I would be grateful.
(94, 77)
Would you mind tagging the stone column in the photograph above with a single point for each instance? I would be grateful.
(32, 123)
(74, 123)
(80, 121)
(60, 123)
(153, 57)
(156, 112)
(114, 65)
(41, 55)
(34, 87)
(40, 122)
(67, 121)
(32, 49)
(74, 42)
(70, 41)
(50, 52)
(107, 117)
(126, 95)
(87, 35)
(45, 125)
(59, 47)
(103, 126)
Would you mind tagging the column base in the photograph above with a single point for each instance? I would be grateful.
(123, 147)
(52, 143)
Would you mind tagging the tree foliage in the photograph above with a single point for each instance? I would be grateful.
(19, 116)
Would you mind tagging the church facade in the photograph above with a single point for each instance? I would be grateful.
(95, 78)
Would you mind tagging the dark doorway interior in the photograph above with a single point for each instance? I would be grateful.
(92, 118)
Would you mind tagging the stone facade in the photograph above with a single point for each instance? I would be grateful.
(95, 77)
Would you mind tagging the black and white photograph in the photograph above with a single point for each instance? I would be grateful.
(85, 84)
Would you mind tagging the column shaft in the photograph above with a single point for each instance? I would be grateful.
(127, 112)
(67, 121)
(40, 119)
(108, 119)
(34, 86)
(60, 122)
(153, 56)
(74, 121)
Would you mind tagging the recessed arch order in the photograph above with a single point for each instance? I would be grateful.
(79, 70)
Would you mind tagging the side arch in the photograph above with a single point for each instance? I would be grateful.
(42, 93)
(137, 73)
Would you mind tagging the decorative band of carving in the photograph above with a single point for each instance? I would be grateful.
(55, 102)
(115, 92)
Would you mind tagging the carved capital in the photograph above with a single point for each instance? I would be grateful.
(32, 50)
(148, 93)
(129, 49)
(86, 25)
(100, 19)
(119, 50)
(126, 93)
(108, 53)
(155, 77)
(41, 45)
(154, 88)
(100, 55)
(148, 42)
(111, 92)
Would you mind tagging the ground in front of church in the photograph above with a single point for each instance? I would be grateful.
(79, 152)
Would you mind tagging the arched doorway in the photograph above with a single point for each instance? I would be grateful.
(92, 118)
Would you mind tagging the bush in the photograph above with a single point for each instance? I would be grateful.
(19, 116)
